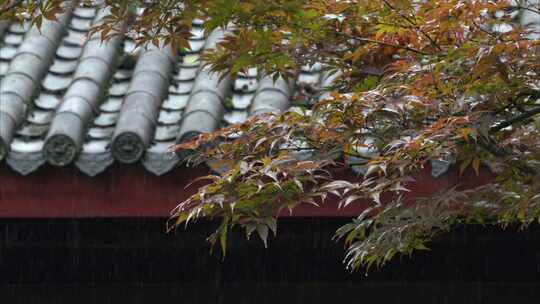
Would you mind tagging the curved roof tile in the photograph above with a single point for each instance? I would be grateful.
(139, 112)
(96, 61)
(271, 96)
(27, 69)
(66, 99)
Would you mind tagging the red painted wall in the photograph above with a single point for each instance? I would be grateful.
(130, 191)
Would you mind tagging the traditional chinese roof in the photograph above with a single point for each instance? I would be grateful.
(67, 98)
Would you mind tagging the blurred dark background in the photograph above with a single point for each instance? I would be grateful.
(134, 261)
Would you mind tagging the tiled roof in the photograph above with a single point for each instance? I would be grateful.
(66, 98)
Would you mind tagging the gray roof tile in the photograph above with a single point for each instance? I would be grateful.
(175, 102)
(205, 106)
(166, 133)
(105, 101)
(98, 132)
(160, 161)
(119, 88)
(63, 67)
(68, 52)
(161, 147)
(33, 130)
(4, 66)
(85, 12)
(122, 74)
(19, 28)
(245, 85)
(105, 119)
(271, 96)
(56, 83)
(40, 117)
(80, 24)
(13, 39)
(186, 74)
(241, 101)
(196, 45)
(312, 79)
(13, 106)
(440, 167)
(25, 63)
(197, 33)
(8, 52)
(92, 162)
(23, 80)
(95, 146)
(22, 146)
(182, 87)
(235, 116)
(75, 38)
(48, 101)
(169, 117)
(138, 115)
(112, 104)
(26, 162)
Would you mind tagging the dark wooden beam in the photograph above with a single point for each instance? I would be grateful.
(130, 191)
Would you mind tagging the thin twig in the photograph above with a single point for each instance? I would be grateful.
(528, 9)
(10, 6)
(431, 40)
(393, 45)
(489, 145)
(491, 34)
(403, 47)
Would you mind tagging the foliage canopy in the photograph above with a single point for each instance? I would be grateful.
(408, 82)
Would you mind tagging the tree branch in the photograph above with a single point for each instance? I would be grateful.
(392, 45)
(514, 120)
(514, 103)
(491, 34)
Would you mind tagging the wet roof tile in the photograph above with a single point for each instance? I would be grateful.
(13, 39)
(112, 104)
(8, 52)
(175, 102)
(63, 67)
(106, 102)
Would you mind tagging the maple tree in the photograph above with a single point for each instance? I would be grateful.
(405, 83)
